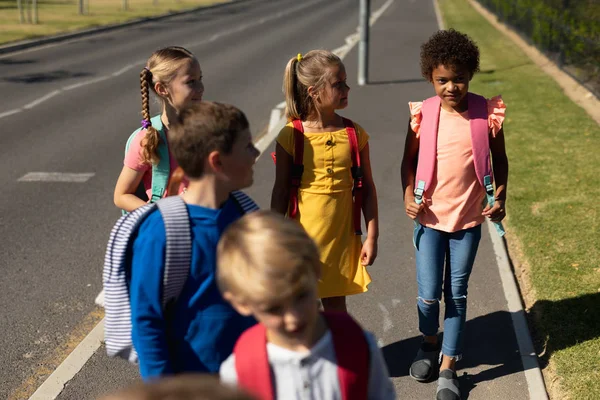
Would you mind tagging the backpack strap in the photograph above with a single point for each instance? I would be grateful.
(244, 202)
(297, 167)
(357, 175)
(252, 363)
(178, 253)
(427, 146)
(162, 170)
(115, 281)
(480, 139)
(352, 354)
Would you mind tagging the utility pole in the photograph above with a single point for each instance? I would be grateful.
(363, 44)
(21, 12)
(35, 11)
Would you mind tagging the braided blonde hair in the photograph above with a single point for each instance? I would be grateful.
(162, 66)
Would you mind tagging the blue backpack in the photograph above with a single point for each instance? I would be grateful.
(117, 266)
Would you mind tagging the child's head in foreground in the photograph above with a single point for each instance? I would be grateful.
(268, 267)
(214, 138)
(180, 387)
(449, 59)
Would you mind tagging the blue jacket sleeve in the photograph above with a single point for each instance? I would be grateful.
(148, 323)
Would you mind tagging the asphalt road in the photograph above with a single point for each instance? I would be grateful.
(54, 233)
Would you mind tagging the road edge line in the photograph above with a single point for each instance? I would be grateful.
(55, 383)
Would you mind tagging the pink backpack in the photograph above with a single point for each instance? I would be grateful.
(478, 116)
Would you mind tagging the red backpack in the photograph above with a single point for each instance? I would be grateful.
(351, 351)
(298, 169)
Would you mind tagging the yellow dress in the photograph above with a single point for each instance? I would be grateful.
(325, 208)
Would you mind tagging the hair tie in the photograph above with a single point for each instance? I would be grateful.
(148, 69)
(299, 57)
(146, 124)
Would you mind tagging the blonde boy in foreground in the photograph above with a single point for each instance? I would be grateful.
(268, 267)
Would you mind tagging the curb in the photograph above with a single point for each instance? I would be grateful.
(23, 45)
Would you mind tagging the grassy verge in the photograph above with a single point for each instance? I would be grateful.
(61, 16)
(553, 219)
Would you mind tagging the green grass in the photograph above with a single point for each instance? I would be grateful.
(61, 16)
(553, 194)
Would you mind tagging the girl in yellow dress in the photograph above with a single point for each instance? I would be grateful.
(315, 87)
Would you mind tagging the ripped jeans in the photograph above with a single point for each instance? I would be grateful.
(457, 250)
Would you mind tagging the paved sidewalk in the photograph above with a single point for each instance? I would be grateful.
(492, 367)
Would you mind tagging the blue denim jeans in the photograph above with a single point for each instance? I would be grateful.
(457, 252)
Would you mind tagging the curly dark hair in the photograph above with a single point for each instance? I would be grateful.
(449, 48)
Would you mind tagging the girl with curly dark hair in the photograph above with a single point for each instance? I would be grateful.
(447, 176)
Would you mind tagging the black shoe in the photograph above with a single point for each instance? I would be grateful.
(425, 362)
(448, 386)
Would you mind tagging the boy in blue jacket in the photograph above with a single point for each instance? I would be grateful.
(213, 145)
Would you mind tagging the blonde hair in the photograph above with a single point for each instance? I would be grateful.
(264, 256)
(162, 66)
(312, 69)
(180, 387)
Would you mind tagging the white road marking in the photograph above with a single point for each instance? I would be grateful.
(56, 177)
(438, 14)
(142, 62)
(55, 383)
(387, 321)
(100, 299)
(124, 69)
(10, 112)
(41, 100)
(89, 82)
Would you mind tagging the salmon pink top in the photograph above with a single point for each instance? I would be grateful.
(454, 200)
(133, 160)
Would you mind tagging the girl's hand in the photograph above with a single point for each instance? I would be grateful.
(368, 253)
(495, 213)
(412, 209)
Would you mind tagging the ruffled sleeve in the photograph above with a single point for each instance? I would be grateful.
(496, 113)
(415, 115)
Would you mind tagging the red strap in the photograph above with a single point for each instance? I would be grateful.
(298, 163)
(252, 363)
(352, 354)
(358, 180)
(351, 351)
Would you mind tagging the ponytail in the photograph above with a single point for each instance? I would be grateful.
(302, 72)
(152, 139)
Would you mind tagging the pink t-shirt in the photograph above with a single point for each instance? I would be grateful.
(454, 200)
(133, 160)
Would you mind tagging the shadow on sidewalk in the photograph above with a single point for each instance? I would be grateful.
(489, 341)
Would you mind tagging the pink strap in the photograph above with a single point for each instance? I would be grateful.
(478, 116)
(428, 140)
(252, 363)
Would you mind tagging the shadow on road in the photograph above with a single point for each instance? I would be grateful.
(45, 77)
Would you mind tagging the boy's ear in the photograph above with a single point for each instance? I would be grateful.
(215, 161)
(239, 306)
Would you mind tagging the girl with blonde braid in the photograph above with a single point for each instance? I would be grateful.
(174, 75)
